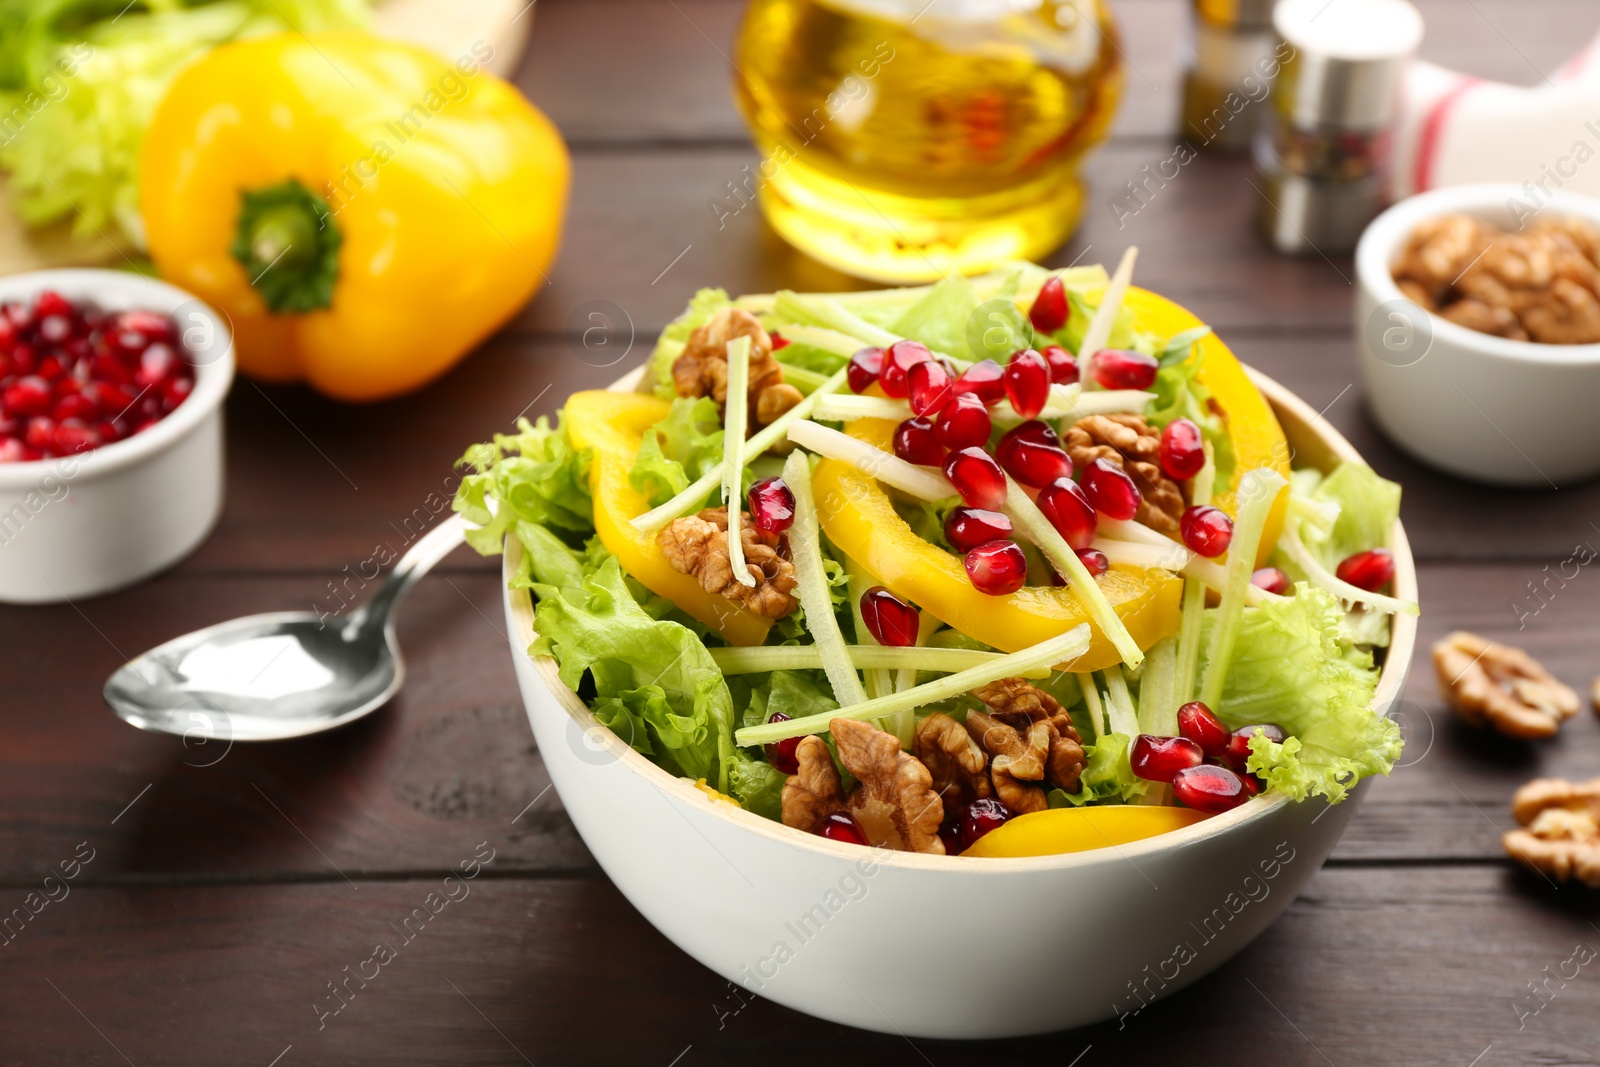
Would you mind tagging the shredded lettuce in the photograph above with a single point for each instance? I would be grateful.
(1107, 777)
(1292, 666)
(534, 474)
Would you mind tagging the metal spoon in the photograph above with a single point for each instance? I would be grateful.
(280, 675)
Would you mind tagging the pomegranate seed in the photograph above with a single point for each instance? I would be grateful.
(1370, 570)
(865, 366)
(175, 391)
(949, 833)
(113, 430)
(997, 567)
(779, 342)
(1027, 383)
(1067, 507)
(1093, 560)
(55, 329)
(898, 359)
(1035, 464)
(781, 754)
(914, 442)
(1110, 490)
(771, 505)
(977, 477)
(1063, 368)
(1159, 759)
(73, 406)
(929, 383)
(156, 327)
(24, 358)
(1198, 724)
(1252, 785)
(72, 437)
(967, 528)
(984, 380)
(1271, 579)
(1209, 788)
(1207, 530)
(1182, 452)
(21, 317)
(40, 434)
(1033, 430)
(891, 620)
(1049, 311)
(963, 423)
(1238, 751)
(10, 450)
(980, 816)
(26, 396)
(51, 302)
(840, 827)
(8, 334)
(1116, 368)
(157, 362)
(50, 368)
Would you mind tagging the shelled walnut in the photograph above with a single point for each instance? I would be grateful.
(702, 368)
(1539, 284)
(1562, 835)
(1495, 685)
(893, 802)
(698, 545)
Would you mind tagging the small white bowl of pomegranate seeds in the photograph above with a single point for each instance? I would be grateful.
(111, 386)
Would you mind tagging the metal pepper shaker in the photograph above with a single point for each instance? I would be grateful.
(1322, 157)
(1228, 74)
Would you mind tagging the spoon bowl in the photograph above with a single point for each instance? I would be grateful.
(280, 675)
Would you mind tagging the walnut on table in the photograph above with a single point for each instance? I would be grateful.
(894, 802)
(702, 368)
(698, 545)
(1132, 444)
(1561, 838)
(1495, 685)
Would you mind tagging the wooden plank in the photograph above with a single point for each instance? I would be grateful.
(1368, 966)
(639, 70)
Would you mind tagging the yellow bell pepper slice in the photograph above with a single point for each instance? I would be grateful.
(860, 520)
(1253, 431)
(612, 425)
(1050, 833)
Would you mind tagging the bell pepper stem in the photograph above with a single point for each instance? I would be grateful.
(288, 246)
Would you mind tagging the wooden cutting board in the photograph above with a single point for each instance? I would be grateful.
(450, 27)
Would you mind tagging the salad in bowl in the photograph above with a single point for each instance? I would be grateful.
(1006, 566)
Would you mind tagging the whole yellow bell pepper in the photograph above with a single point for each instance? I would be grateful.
(365, 211)
(612, 426)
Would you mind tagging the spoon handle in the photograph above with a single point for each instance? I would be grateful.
(421, 558)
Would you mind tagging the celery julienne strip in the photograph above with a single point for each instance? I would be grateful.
(733, 427)
(905, 720)
(1258, 489)
(754, 659)
(1036, 528)
(842, 407)
(805, 546)
(1120, 713)
(879, 681)
(1092, 703)
(1063, 648)
(1295, 548)
(769, 435)
(1169, 557)
(1099, 329)
(801, 378)
(1158, 703)
(1194, 589)
(827, 340)
(886, 467)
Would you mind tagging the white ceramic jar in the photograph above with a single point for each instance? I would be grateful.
(87, 524)
(1475, 405)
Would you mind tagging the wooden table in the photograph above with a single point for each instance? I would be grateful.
(226, 890)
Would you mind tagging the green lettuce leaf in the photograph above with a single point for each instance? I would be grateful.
(757, 785)
(669, 346)
(678, 449)
(1368, 508)
(1107, 778)
(654, 682)
(534, 474)
(939, 320)
(1293, 666)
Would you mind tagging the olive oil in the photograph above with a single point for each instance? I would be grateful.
(902, 139)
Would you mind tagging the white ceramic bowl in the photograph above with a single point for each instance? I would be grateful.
(1478, 406)
(938, 946)
(87, 524)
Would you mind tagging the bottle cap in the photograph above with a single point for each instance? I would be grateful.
(1347, 60)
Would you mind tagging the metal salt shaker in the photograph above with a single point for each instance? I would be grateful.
(1322, 156)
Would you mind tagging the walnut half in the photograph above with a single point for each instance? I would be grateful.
(1562, 835)
(894, 803)
(698, 545)
(702, 369)
(1490, 684)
